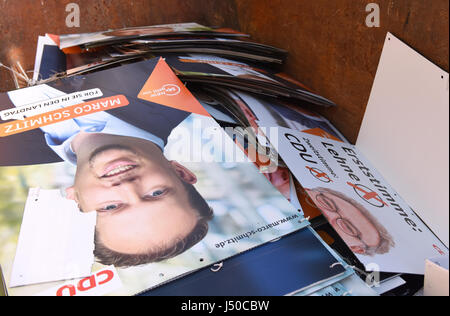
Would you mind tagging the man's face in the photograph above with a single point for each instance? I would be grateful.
(138, 195)
(358, 232)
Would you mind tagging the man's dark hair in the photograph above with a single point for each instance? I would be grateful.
(107, 256)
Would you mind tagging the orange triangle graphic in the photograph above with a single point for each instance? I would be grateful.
(164, 87)
(54, 38)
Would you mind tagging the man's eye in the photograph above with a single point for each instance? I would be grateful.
(108, 208)
(158, 193)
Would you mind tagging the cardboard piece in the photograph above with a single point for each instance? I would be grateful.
(405, 131)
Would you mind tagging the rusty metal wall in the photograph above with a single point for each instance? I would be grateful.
(331, 48)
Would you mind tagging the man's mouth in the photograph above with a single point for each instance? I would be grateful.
(118, 168)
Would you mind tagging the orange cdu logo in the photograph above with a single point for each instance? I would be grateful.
(319, 174)
(368, 195)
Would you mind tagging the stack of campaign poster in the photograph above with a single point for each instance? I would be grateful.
(196, 53)
(375, 223)
(87, 52)
(333, 181)
(118, 181)
(235, 81)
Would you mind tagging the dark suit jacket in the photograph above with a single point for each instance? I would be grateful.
(30, 147)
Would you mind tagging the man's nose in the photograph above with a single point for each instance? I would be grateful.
(122, 181)
(129, 189)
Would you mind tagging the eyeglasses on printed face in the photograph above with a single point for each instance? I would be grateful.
(327, 204)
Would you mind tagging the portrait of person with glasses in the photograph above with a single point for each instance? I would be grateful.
(361, 231)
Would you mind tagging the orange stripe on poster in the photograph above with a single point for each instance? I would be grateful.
(320, 132)
(64, 114)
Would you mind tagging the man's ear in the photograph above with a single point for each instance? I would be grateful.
(70, 194)
(185, 174)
